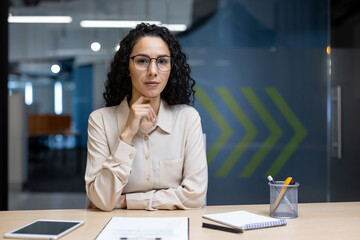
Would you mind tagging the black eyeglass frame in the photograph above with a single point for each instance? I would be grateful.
(156, 61)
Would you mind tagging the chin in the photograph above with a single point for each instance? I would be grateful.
(151, 94)
(154, 96)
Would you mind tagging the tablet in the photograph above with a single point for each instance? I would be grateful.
(45, 229)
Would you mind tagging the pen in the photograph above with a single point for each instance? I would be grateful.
(271, 179)
(285, 198)
(222, 228)
(276, 204)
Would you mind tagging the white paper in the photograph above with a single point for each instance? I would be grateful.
(145, 228)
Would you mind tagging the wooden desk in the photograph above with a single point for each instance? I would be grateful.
(315, 221)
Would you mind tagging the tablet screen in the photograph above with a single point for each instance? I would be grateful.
(45, 228)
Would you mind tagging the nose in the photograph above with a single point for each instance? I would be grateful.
(152, 70)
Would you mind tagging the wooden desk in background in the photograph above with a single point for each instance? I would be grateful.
(316, 221)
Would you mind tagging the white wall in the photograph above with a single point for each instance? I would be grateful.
(17, 143)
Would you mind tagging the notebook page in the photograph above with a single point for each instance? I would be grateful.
(244, 220)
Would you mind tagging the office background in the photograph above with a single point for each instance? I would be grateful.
(269, 90)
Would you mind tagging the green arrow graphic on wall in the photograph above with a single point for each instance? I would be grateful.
(274, 131)
(241, 146)
(300, 131)
(226, 131)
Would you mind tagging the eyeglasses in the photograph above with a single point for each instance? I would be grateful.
(142, 62)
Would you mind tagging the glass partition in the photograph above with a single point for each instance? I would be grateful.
(261, 69)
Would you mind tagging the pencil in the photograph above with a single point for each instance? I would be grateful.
(222, 228)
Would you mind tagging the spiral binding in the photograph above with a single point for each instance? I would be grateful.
(264, 224)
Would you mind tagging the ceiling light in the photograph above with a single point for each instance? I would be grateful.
(95, 46)
(39, 19)
(112, 24)
(58, 95)
(28, 93)
(55, 68)
(117, 47)
(175, 27)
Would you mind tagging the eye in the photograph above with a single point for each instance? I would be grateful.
(141, 60)
(163, 61)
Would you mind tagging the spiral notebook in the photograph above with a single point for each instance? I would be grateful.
(244, 220)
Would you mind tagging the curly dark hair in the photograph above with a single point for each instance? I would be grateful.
(180, 86)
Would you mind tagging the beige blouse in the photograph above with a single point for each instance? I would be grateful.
(165, 168)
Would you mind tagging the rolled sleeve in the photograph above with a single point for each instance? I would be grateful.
(140, 200)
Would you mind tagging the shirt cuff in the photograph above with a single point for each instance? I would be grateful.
(124, 152)
(140, 200)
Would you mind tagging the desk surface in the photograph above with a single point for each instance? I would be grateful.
(315, 221)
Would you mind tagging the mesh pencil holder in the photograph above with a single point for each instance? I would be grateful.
(283, 200)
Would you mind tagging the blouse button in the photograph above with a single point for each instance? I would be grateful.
(131, 156)
(146, 137)
(148, 177)
(147, 156)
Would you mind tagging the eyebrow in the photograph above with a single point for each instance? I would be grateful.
(145, 55)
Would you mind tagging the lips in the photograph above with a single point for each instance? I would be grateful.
(152, 83)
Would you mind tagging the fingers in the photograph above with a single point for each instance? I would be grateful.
(144, 111)
(142, 108)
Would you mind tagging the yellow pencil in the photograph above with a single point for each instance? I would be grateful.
(287, 182)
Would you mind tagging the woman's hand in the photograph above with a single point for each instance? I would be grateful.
(140, 110)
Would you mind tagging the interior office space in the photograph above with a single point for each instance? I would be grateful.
(276, 91)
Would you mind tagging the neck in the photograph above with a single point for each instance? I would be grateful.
(155, 104)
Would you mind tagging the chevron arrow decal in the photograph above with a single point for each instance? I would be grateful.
(275, 132)
(300, 131)
(226, 131)
(251, 132)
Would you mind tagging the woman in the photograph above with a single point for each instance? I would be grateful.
(145, 148)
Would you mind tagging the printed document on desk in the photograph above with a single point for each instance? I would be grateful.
(176, 228)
